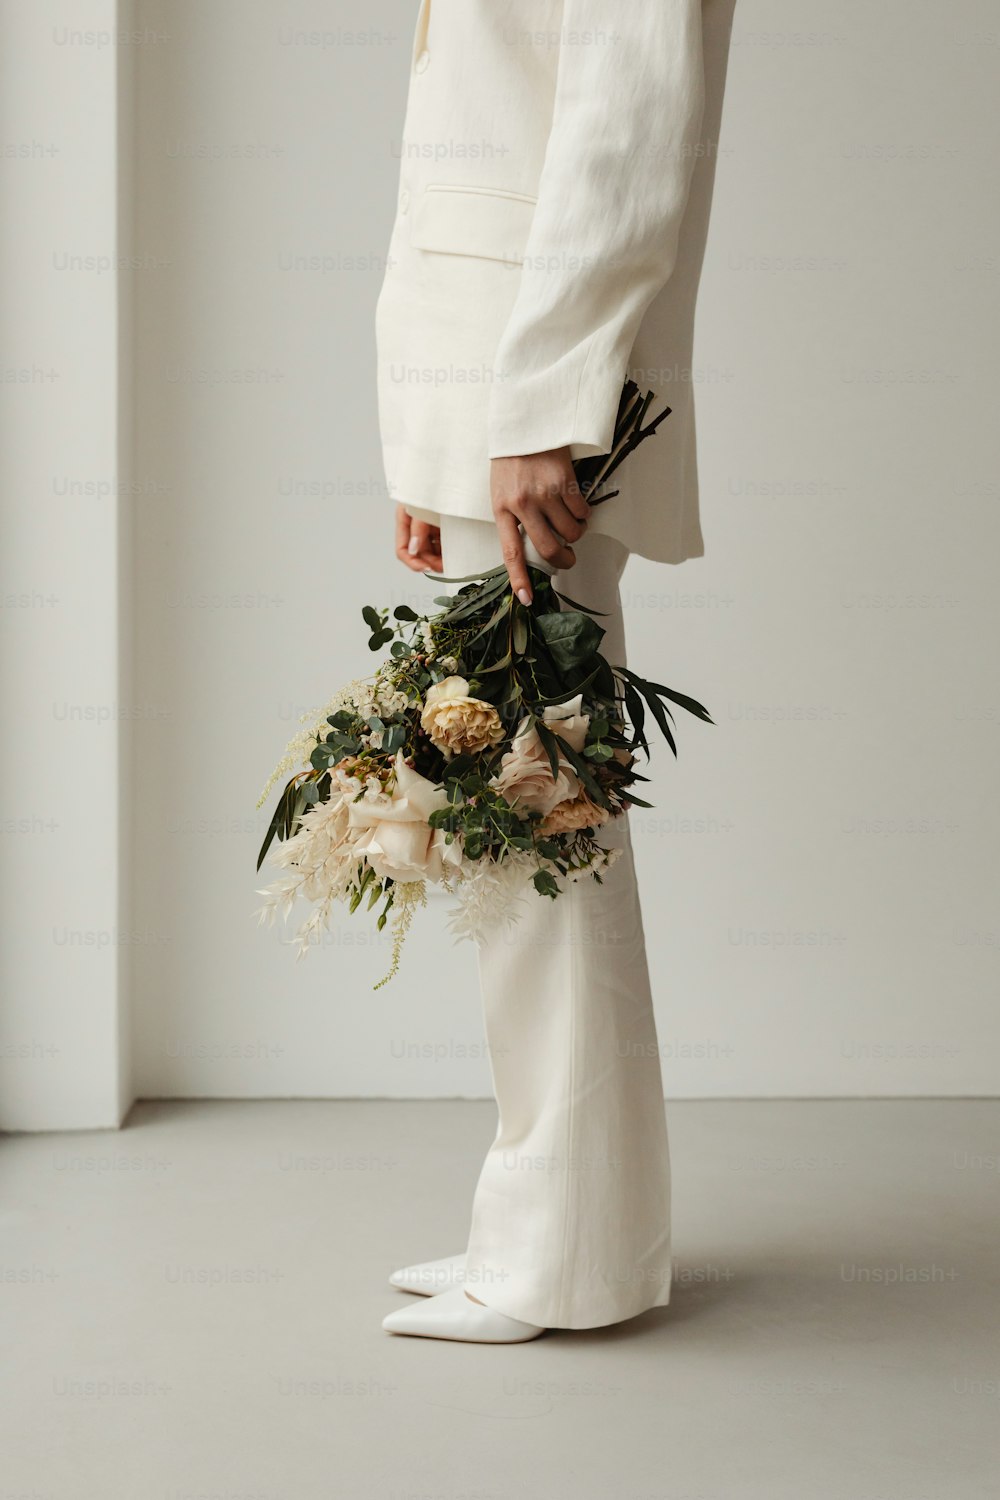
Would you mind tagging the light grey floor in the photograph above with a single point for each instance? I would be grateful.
(194, 1306)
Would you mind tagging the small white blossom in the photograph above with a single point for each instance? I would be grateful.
(300, 747)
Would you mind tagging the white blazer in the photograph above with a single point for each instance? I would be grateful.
(558, 158)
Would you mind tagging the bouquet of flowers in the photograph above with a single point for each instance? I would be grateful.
(483, 755)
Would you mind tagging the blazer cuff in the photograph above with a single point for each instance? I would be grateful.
(567, 405)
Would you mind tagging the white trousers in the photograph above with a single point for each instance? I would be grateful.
(571, 1216)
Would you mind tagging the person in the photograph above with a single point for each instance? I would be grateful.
(556, 177)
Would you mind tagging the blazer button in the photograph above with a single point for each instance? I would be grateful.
(404, 201)
(421, 64)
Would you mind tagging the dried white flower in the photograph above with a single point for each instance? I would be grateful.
(490, 892)
(299, 748)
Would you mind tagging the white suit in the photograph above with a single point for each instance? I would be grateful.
(571, 1215)
(554, 194)
(557, 168)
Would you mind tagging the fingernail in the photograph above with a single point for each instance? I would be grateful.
(524, 596)
(414, 547)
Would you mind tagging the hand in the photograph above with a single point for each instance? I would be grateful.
(540, 493)
(418, 544)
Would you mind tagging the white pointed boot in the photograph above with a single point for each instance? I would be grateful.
(453, 1315)
(431, 1277)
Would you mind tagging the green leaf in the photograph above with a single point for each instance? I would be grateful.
(571, 636)
(457, 767)
(404, 612)
(660, 715)
(681, 699)
(477, 599)
(495, 666)
(585, 774)
(550, 745)
(278, 821)
(566, 693)
(372, 618)
(637, 715)
(473, 577)
(499, 614)
(545, 883)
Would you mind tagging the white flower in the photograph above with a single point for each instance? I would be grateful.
(300, 746)
(525, 775)
(603, 859)
(492, 892)
(393, 833)
(569, 721)
(321, 859)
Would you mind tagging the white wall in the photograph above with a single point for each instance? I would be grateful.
(819, 875)
(64, 471)
(838, 925)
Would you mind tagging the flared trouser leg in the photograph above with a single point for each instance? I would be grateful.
(571, 1215)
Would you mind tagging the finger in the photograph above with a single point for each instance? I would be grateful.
(428, 558)
(561, 519)
(403, 524)
(422, 562)
(512, 550)
(573, 496)
(419, 542)
(546, 542)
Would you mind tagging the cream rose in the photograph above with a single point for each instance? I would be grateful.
(568, 721)
(393, 835)
(525, 774)
(456, 722)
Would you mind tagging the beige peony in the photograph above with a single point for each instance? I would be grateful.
(456, 722)
(580, 811)
(525, 775)
(392, 831)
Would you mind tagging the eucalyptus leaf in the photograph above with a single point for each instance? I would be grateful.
(571, 636)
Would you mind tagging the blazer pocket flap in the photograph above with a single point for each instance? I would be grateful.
(486, 222)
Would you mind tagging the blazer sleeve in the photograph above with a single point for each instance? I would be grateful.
(603, 240)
